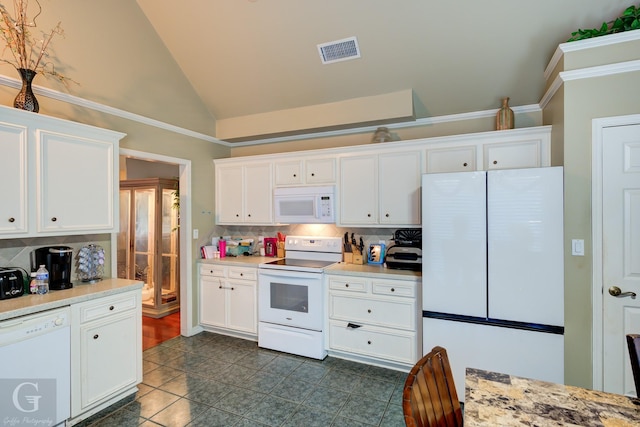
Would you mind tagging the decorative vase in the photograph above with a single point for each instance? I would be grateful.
(26, 100)
(504, 118)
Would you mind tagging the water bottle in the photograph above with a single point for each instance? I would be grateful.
(42, 279)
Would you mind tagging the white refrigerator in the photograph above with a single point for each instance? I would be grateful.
(493, 271)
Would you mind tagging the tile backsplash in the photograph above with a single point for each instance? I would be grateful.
(17, 252)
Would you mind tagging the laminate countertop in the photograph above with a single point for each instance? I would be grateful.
(30, 304)
(495, 399)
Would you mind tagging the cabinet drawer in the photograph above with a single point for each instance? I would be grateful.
(212, 270)
(393, 288)
(107, 307)
(393, 314)
(243, 273)
(344, 284)
(374, 342)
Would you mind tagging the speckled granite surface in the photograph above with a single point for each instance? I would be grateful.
(29, 304)
(493, 399)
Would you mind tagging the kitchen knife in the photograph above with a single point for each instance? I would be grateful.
(347, 246)
(361, 246)
(354, 245)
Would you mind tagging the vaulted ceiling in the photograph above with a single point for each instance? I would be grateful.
(250, 57)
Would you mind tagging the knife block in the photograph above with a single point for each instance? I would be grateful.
(347, 257)
(358, 259)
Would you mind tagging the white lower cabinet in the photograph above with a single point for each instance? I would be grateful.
(374, 319)
(228, 302)
(106, 352)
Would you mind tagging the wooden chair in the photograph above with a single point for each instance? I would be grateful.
(429, 398)
(633, 342)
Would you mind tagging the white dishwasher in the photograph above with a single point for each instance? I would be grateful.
(35, 368)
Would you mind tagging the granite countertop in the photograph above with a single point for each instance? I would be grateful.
(372, 269)
(495, 399)
(30, 304)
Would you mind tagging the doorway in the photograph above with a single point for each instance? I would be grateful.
(616, 249)
(183, 166)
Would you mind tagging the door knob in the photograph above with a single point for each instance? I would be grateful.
(617, 292)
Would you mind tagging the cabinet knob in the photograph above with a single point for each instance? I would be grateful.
(346, 285)
(393, 289)
(111, 308)
(464, 164)
(387, 215)
(232, 288)
(313, 174)
(249, 215)
(295, 175)
(369, 215)
(495, 162)
(237, 215)
(95, 337)
(369, 311)
(369, 342)
(220, 287)
(12, 219)
(54, 219)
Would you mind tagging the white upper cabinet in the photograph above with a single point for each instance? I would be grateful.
(13, 175)
(62, 176)
(76, 183)
(380, 189)
(244, 193)
(306, 171)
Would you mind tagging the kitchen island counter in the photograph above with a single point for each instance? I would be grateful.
(30, 304)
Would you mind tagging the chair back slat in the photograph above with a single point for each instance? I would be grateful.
(429, 398)
(633, 343)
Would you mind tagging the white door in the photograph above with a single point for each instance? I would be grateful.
(621, 252)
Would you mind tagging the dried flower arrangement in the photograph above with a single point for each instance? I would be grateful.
(29, 52)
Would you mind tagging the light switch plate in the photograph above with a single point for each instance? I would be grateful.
(577, 247)
(195, 233)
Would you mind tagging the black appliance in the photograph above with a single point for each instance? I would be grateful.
(12, 283)
(406, 253)
(57, 260)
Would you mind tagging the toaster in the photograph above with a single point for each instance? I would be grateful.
(11, 283)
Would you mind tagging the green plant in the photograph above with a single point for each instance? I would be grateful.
(629, 20)
(28, 51)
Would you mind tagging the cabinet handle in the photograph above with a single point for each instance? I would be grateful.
(12, 219)
(346, 285)
(54, 219)
(464, 164)
(237, 215)
(249, 215)
(313, 174)
(241, 274)
(232, 288)
(295, 175)
(369, 311)
(387, 215)
(369, 215)
(393, 289)
(95, 337)
(220, 287)
(495, 162)
(111, 308)
(369, 342)
(353, 325)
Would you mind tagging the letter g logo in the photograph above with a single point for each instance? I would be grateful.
(30, 399)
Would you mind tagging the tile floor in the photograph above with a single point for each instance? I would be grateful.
(215, 380)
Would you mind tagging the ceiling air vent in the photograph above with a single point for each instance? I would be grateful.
(339, 50)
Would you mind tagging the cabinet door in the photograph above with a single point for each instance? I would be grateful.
(457, 159)
(258, 194)
(13, 175)
(320, 171)
(242, 308)
(399, 182)
(212, 301)
(108, 354)
(358, 190)
(523, 154)
(229, 194)
(288, 173)
(75, 184)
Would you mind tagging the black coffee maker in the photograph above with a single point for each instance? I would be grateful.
(57, 260)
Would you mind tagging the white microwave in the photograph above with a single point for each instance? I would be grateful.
(304, 205)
